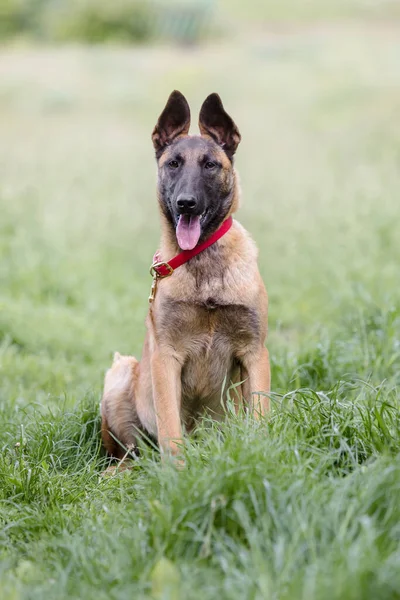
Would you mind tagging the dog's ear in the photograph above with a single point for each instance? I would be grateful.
(215, 122)
(173, 121)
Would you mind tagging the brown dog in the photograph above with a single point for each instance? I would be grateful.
(207, 325)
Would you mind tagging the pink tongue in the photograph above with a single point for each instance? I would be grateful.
(188, 232)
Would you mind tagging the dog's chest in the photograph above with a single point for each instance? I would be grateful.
(208, 339)
(208, 328)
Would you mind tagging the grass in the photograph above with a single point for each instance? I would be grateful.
(304, 505)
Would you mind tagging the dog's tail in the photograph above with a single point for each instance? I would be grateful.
(119, 417)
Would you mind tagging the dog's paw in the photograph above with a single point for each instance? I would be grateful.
(121, 467)
(179, 463)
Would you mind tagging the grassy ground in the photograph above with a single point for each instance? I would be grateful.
(306, 505)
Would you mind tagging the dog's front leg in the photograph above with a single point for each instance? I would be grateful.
(166, 378)
(256, 381)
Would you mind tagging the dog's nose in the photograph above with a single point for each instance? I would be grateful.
(186, 203)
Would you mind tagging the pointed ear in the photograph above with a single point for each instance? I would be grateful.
(215, 122)
(173, 121)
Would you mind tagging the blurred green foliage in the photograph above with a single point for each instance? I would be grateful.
(272, 11)
(185, 21)
(18, 16)
(96, 21)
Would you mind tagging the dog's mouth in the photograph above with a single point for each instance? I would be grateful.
(188, 230)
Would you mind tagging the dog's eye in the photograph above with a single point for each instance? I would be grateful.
(210, 165)
(173, 164)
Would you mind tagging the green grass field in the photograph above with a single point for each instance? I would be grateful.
(305, 505)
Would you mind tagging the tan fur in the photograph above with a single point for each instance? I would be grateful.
(207, 325)
(117, 406)
(181, 332)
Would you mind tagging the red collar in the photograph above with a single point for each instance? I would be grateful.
(164, 269)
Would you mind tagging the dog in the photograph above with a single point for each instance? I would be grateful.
(207, 322)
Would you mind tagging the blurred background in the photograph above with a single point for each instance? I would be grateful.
(314, 87)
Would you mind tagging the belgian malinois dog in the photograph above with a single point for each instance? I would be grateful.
(207, 322)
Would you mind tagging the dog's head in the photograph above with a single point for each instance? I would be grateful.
(197, 182)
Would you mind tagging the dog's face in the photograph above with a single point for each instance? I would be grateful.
(196, 176)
